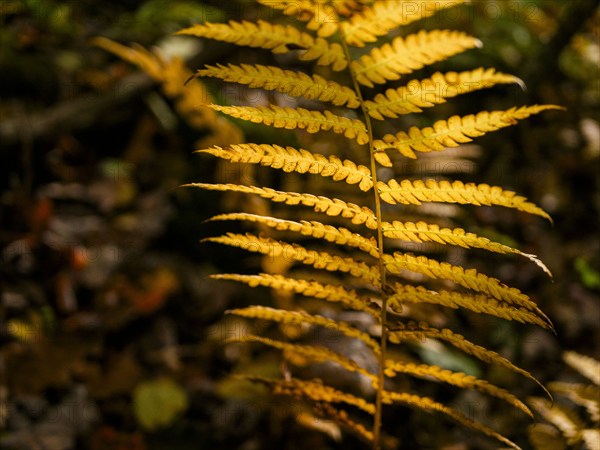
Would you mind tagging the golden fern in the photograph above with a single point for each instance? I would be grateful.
(335, 294)
(416, 192)
(429, 405)
(295, 252)
(349, 240)
(418, 94)
(291, 160)
(478, 303)
(309, 11)
(297, 317)
(292, 118)
(340, 236)
(331, 207)
(277, 38)
(454, 131)
(417, 332)
(172, 74)
(382, 17)
(290, 82)
(566, 428)
(405, 55)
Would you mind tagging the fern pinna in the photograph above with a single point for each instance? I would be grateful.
(369, 278)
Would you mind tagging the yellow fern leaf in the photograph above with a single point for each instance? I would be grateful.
(383, 16)
(291, 118)
(341, 417)
(468, 278)
(585, 365)
(591, 437)
(358, 215)
(149, 62)
(295, 252)
(419, 332)
(459, 379)
(348, 8)
(315, 353)
(274, 37)
(331, 293)
(477, 303)
(172, 74)
(320, 16)
(418, 94)
(299, 317)
(405, 55)
(425, 232)
(317, 230)
(291, 160)
(454, 131)
(562, 418)
(586, 395)
(297, 84)
(415, 192)
(429, 405)
(314, 390)
(546, 437)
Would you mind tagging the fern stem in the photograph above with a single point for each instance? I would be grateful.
(384, 295)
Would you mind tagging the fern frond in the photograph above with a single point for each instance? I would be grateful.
(314, 229)
(476, 303)
(274, 37)
(149, 62)
(291, 118)
(458, 379)
(358, 215)
(591, 437)
(341, 418)
(315, 353)
(297, 84)
(320, 16)
(586, 366)
(172, 74)
(289, 159)
(298, 317)
(348, 8)
(295, 252)
(425, 232)
(562, 418)
(546, 437)
(415, 192)
(454, 131)
(586, 395)
(429, 405)
(383, 16)
(418, 94)
(314, 390)
(331, 293)
(469, 278)
(405, 55)
(419, 332)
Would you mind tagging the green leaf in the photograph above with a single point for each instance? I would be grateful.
(157, 403)
(589, 277)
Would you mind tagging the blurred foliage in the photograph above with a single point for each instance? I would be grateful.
(157, 403)
(103, 293)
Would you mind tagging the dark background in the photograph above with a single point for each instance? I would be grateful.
(105, 298)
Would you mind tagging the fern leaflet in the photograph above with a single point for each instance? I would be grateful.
(454, 131)
(290, 82)
(291, 118)
(415, 192)
(418, 94)
(405, 55)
